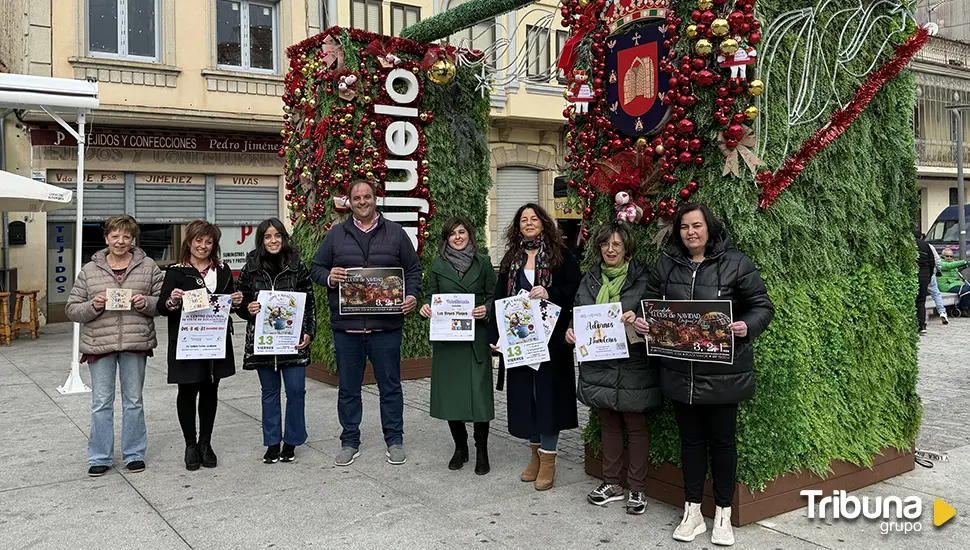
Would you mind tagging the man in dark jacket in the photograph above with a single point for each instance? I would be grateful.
(927, 264)
(367, 239)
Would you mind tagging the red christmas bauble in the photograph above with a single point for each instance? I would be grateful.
(348, 143)
(695, 144)
(686, 126)
(723, 92)
(708, 17)
(736, 19)
(705, 78)
(731, 143)
(685, 157)
(684, 193)
(696, 16)
(737, 118)
(692, 186)
(698, 63)
(754, 38)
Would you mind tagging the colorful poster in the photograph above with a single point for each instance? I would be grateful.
(195, 300)
(549, 315)
(119, 299)
(690, 330)
(599, 333)
(279, 323)
(202, 333)
(451, 318)
(372, 290)
(522, 336)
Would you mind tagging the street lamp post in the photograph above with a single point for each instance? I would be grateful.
(958, 111)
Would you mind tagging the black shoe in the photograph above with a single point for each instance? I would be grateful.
(98, 471)
(459, 458)
(193, 460)
(135, 466)
(481, 460)
(272, 455)
(209, 459)
(289, 453)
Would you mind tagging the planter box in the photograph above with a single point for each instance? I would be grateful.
(781, 495)
(411, 369)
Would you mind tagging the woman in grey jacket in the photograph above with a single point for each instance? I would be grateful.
(622, 390)
(114, 298)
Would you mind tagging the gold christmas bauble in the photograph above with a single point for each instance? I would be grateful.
(720, 27)
(729, 46)
(756, 87)
(370, 175)
(691, 31)
(705, 4)
(659, 149)
(423, 117)
(641, 143)
(751, 113)
(442, 72)
(338, 177)
(703, 47)
(415, 70)
(583, 3)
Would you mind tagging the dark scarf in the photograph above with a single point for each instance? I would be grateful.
(543, 276)
(461, 260)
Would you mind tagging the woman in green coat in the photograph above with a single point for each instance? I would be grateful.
(461, 372)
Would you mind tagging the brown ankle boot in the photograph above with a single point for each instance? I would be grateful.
(532, 470)
(547, 470)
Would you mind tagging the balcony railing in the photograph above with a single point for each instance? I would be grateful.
(945, 52)
(941, 153)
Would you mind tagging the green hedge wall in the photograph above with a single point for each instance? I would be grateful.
(836, 370)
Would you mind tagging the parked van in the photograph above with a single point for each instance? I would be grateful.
(945, 231)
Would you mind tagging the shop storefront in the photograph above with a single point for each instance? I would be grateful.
(164, 180)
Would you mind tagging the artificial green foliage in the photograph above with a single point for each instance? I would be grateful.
(837, 368)
(459, 180)
(460, 17)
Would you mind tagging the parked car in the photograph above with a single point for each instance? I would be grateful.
(945, 231)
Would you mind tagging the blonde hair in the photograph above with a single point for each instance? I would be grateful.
(122, 222)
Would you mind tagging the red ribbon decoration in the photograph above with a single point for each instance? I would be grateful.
(772, 184)
(435, 53)
(568, 57)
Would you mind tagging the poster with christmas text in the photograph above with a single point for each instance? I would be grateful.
(691, 330)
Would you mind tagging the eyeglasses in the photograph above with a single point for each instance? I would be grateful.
(614, 246)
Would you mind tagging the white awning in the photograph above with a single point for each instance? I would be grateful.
(20, 194)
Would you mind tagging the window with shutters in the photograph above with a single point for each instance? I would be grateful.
(561, 38)
(367, 15)
(515, 186)
(246, 35)
(123, 29)
(537, 51)
(402, 17)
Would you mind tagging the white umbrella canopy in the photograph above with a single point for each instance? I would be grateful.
(20, 194)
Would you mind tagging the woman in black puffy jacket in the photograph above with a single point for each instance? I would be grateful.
(700, 263)
(275, 266)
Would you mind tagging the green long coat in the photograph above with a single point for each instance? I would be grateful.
(461, 372)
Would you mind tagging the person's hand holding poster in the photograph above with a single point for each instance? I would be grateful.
(522, 337)
(279, 323)
(691, 330)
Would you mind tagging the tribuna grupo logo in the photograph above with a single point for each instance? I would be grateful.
(901, 515)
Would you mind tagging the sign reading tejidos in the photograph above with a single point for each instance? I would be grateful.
(132, 139)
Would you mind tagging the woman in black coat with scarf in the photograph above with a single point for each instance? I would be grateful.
(275, 266)
(197, 379)
(700, 263)
(541, 403)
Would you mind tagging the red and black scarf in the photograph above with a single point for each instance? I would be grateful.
(543, 276)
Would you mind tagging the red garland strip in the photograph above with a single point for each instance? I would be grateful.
(772, 184)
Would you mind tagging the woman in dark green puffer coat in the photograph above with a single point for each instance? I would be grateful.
(620, 390)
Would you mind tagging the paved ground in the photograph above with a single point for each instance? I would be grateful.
(47, 501)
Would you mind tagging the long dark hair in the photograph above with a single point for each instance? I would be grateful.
(550, 233)
(450, 226)
(715, 229)
(262, 257)
(196, 229)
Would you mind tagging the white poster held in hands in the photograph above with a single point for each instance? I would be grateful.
(451, 318)
(202, 333)
(522, 338)
(279, 323)
(599, 333)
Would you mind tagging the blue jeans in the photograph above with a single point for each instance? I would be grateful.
(934, 290)
(546, 442)
(965, 299)
(383, 348)
(294, 380)
(134, 439)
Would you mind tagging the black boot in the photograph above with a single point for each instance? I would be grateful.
(209, 459)
(192, 458)
(460, 435)
(481, 448)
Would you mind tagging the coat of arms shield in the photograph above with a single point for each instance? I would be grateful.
(635, 84)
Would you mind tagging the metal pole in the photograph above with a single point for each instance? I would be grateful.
(961, 215)
(74, 383)
(6, 218)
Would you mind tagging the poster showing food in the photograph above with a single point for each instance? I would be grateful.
(279, 323)
(691, 330)
(372, 291)
(522, 336)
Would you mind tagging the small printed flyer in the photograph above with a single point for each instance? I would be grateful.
(451, 318)
(202, 333)
(599, 333)
(195, 300)
(279, 323)
(372, 290)
(119, 299)
(522, 336)
(691, 330)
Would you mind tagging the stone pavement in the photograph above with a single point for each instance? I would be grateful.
(47, 501)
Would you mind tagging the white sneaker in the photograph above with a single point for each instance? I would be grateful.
(692, 525)
(722, 534)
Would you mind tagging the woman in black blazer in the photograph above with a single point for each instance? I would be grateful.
(197, 379)
(541, 403)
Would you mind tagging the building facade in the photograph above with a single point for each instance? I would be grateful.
(190, 115)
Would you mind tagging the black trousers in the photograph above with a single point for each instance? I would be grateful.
(460, 434)
(708, 430)
(207, 395)
(921, 294)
